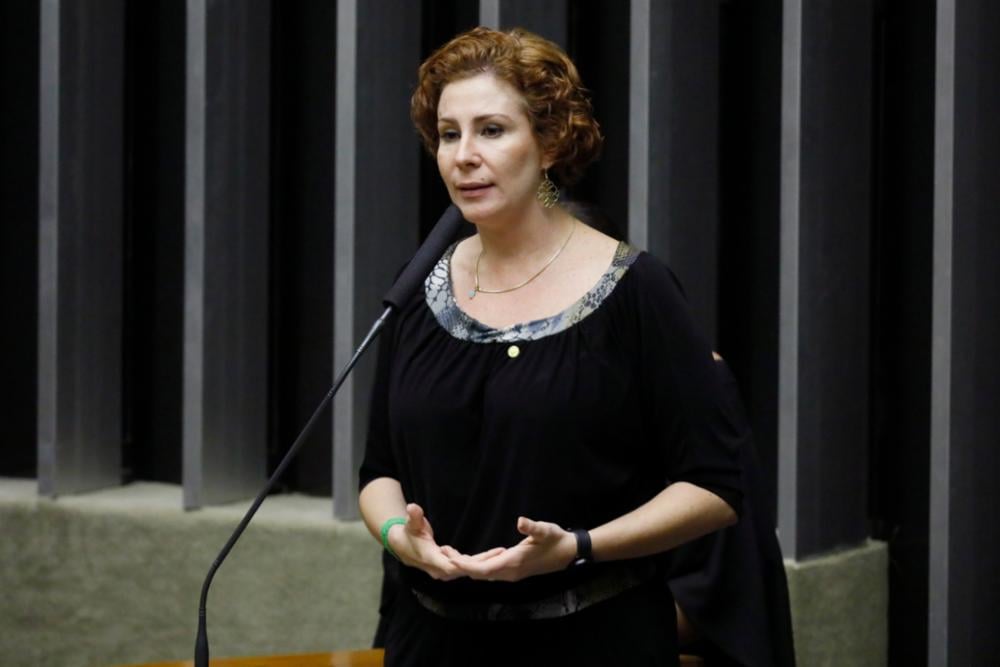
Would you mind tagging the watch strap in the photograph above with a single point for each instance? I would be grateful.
(584, 547)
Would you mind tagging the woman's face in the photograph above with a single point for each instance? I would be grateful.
(487, 153)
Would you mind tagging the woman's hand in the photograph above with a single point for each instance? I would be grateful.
(545, 548)
(413, 541)
(414, 545)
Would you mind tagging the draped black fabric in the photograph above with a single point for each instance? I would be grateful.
(731, 584)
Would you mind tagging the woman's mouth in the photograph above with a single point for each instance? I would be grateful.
(474, 190)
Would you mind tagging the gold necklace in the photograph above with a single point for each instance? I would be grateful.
(477, 289)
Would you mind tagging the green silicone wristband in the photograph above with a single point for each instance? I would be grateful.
(389, 523)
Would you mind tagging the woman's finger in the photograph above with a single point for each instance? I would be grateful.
(414, 512)
(442, 568)
(489, 553)
(430, 558)
(482, 555)
(416, 521)
(499, 566)
(450, 552)
(461, 559)
(540, 531)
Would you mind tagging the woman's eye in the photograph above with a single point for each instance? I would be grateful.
(492, 131)
(448, 135)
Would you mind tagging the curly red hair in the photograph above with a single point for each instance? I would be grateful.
(556, 102)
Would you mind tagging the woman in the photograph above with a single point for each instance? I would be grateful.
(546, 422)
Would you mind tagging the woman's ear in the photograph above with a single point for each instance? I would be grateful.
(548, 158)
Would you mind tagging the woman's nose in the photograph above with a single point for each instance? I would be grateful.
(468, 151)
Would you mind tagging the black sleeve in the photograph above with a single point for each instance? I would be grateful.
(378, 460)
(685, 404)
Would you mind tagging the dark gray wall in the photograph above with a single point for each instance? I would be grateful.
(203, 178)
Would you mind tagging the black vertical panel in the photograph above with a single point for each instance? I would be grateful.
(227, 193)
(81, 172)
(834, 230)
(901, 313)
(548, 19)
(377, 217)
(302, 176)
(18, 235)
(749, 174)
(598, 45)
(154, 241)
(974, 494)
(684, 138)
(440, 21)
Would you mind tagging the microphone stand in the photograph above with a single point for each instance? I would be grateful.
(432, 248)
(201, 642)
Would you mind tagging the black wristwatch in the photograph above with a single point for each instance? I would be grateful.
(584, 553)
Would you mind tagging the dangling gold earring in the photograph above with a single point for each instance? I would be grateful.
(547, 192)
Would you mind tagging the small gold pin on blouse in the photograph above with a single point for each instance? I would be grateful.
(513, 351)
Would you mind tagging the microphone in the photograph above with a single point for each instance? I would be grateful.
(441, 236)
(423, 261)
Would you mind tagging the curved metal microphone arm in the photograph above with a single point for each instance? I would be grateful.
(406, 285)
(201, 642)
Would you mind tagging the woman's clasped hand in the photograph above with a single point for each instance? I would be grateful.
(545, 548)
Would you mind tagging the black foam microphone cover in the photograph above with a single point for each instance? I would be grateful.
(444, 233)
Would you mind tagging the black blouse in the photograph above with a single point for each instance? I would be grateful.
(575, 419)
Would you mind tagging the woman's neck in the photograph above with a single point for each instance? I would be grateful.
(535, 233)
